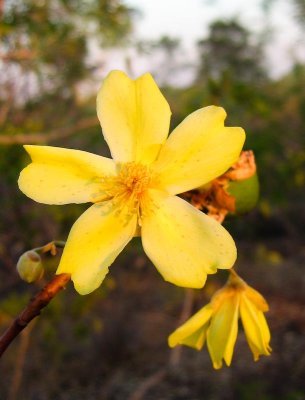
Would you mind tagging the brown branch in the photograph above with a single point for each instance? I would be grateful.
(4, 111)
(18, 54)
(1, 8)
(187, 307)
(32, 138)
(148, 383)
(175, 354)
(33, 309)
(20, 360)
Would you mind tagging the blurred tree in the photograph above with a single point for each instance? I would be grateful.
(168, 48)
(229, 51)
(44, 50)
(168, 58)
(298, 5)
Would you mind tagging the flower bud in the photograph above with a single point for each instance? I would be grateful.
(29, 266)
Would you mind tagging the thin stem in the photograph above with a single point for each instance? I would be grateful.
(1, 8)
(188, 302)
(50, 247)
(175, 354)
(20, 360)
(33, 309)
(60, 133)
(148, 383)
(233, 272)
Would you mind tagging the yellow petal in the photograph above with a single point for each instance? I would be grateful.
(265, 330)
(183, 243)
(94, 242)
(134, 116)
(62, 176)
(256, 298)
(256, 328)
(193, 332)
(198, 150)
(197, 339)
(222, 332)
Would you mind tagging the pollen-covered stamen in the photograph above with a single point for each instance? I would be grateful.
(129, 186)
(135, 178)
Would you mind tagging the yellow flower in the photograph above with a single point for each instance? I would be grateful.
(136, 190)
(217, 323)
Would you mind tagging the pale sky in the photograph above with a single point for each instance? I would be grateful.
(189, 21)
(189, 18)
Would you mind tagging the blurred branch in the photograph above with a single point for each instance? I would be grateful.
(1, 8)
(186, 312)
(4, 112)
(20, 359)
(148, 383)
(175, 354)
(33, 309)
(17, 55)
(50, 136)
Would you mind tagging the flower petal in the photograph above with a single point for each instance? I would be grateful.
(265, 330)
(256, 328)
(62, 176)
(94, 242)
(197, 339)
(256, 298)
(183, 243)
(222, 332)
(134, 116)
(198, 150)
(193, 332)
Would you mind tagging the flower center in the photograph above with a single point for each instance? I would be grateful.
(134, 179)
(129, 186)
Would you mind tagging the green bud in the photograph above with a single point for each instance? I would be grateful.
(246, 193)
(29, 266)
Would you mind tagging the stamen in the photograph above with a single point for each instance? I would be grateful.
(128, 188)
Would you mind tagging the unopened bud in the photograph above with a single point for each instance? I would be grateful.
(30, 267)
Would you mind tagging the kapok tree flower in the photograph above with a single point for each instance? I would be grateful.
(135, 192)
(217, 323)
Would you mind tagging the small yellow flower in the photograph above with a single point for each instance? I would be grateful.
(136, 190)
(217, 323)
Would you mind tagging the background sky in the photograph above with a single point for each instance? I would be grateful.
(189, 20)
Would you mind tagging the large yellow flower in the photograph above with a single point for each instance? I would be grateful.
(217, 323)
(136, 190)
